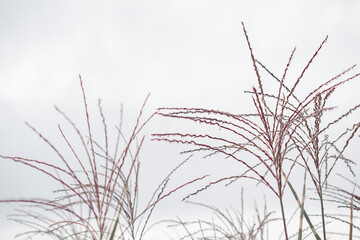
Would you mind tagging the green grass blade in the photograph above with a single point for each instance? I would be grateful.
(116, 223)
(114, 229)
(351, 216)
(304, 212)
(302, 209)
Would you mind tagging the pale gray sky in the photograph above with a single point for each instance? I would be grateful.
(186, 53)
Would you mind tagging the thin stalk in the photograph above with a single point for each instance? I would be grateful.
(351, 217)
(351, 221)
(322, 208)
(305, 213)
(116, 222)
(282, 210)
(302, 209)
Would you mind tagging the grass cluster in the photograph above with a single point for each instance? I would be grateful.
(99, 198)
(284, 134)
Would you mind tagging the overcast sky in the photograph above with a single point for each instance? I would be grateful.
(185, 53)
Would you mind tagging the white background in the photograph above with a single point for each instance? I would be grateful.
(186, 53)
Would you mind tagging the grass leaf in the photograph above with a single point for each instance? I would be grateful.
(304, 211)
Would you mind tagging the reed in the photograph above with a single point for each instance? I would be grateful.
(99, 195)
(283, 133)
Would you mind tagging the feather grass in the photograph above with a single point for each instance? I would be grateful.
(104, 187)
(283, 133)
